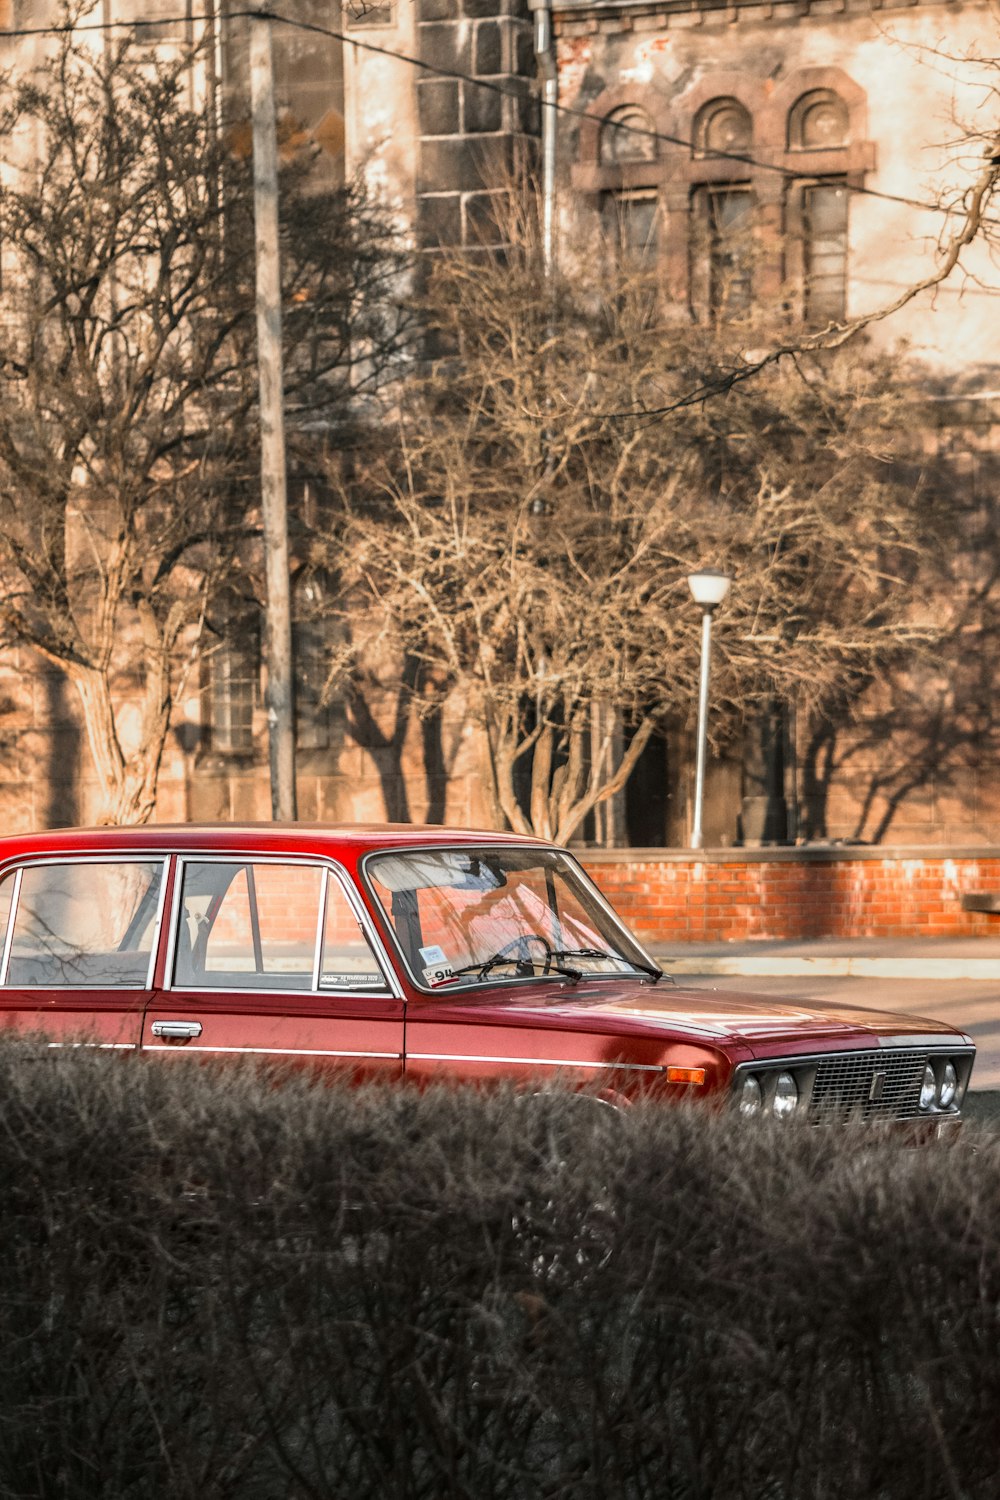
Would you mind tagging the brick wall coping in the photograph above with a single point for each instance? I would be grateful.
(849, 8)
(816, 854)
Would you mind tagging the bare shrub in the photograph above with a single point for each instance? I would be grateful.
(212, 1285)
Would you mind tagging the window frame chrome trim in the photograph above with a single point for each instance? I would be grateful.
(326, 866)
(9, 934)
(131, 857)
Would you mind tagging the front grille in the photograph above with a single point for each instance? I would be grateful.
(867, 1086)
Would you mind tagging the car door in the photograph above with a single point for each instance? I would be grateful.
(274, 958)
(79, 941)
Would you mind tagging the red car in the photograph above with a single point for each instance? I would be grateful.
(417, 953)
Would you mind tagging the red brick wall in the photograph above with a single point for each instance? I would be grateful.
(796, 893)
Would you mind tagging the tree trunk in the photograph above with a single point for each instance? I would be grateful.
(560, 800)
(603, 786)
(128, 783)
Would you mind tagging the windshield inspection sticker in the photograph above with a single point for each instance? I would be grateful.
(436, 965)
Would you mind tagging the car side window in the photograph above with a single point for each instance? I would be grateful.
(347, 961)
(248, 924)
(6, 897)
(88, 922)
(255, 925)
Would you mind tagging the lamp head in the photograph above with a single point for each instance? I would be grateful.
(709, 586)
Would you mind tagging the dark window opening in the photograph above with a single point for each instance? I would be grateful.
(824, 236)
(729, 222)
(631, 226)
(232, 680)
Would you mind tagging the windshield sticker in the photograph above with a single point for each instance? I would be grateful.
(437, 973)
(432, 954)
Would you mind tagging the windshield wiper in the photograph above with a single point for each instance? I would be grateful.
(654, 974)
(481, 970)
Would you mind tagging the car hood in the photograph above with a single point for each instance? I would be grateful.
(711, 1014)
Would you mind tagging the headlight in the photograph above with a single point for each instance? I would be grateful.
(786, 1096)
(928, 1089)
(751, 1097)
(949, 1086)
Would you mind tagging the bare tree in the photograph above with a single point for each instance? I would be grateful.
(128, 422)
(531, 554)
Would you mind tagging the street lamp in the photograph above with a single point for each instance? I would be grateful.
(708, 588)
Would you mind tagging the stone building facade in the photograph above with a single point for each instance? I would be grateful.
(831, 128)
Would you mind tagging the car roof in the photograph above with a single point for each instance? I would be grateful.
(354, 839)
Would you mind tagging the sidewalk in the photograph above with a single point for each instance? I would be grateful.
(870, 958)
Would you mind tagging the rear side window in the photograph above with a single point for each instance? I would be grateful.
(6, 897)
(88, 923)
(259, 925)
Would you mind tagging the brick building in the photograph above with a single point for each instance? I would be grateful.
(822, 132)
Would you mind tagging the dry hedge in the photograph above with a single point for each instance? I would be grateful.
(211, 1286)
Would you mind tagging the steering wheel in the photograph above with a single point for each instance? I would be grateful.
(520, 943)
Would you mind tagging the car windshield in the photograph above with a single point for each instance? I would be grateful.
(461, 916)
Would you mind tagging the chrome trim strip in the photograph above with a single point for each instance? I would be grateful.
(174, 915)
(806, 1059)
(70, 987)
(328, 993)
(104, 1046)
(544, 1062)
(274, 1051)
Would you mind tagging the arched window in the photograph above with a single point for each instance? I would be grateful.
(628, 135)
(723, 125)
(818, 122)
(722, 247)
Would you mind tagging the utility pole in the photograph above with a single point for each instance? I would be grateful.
(273, 479)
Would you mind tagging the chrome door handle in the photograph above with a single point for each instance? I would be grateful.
(177, 1031)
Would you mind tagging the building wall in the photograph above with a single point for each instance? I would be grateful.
(802, 893)
(912, 105)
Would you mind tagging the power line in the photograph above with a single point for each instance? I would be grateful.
(505, 91)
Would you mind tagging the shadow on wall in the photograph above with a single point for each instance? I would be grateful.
(932, 731)
(62, 808)
(387, 747)
(924, 734)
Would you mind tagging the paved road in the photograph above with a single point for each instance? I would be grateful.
(971, 1004)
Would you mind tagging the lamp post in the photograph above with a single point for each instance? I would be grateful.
(708, 588)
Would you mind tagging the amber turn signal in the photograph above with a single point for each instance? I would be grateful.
(686, 1075)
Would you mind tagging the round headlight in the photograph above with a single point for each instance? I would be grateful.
(786, 1096)
(949, 1086)
(751, 1097)
(928, 1089)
